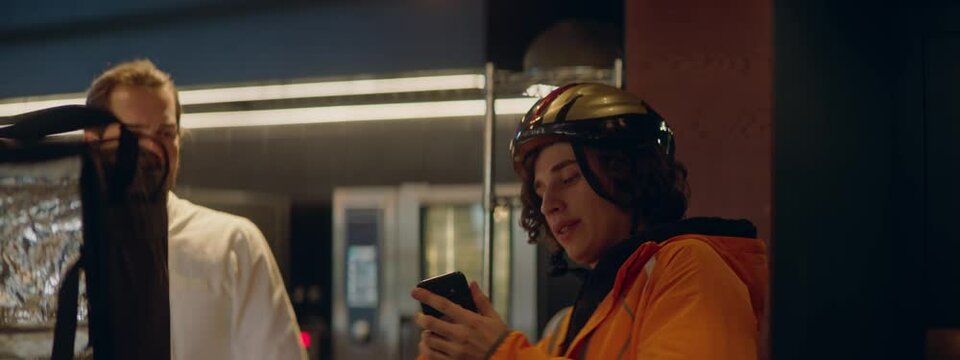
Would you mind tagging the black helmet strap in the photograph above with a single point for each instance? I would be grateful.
(594, 182)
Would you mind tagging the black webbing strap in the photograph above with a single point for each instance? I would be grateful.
(64, 334)
(124, 251)
(126, 166)
(35, 125)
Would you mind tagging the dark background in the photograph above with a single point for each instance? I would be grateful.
(866, 173)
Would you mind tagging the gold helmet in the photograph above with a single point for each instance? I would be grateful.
(589, 114)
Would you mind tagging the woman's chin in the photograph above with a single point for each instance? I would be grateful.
(581, 260)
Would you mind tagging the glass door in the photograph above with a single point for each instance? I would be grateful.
(452, 240)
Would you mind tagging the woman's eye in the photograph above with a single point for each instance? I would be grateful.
(571, 179)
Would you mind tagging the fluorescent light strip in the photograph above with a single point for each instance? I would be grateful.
(539, 90)
(284, 91)
(328, 114)
(332, 88)
(14, 108)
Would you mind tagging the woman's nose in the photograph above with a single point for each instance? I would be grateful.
(551, 203)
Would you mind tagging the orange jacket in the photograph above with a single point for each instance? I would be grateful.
(689, 297)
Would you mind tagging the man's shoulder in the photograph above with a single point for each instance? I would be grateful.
(189, 218)
(185, 212)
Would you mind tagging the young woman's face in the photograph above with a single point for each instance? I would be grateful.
(584, 223)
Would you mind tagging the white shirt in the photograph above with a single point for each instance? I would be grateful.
(227, 299)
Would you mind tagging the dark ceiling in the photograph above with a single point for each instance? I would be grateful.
(512, 25)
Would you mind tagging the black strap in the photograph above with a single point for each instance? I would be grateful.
(28, 131)
(126, 166)
(64, 333)
(35, 125)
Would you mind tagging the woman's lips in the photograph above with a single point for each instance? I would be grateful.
(565, 229)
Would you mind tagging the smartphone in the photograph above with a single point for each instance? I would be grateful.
(452, 286)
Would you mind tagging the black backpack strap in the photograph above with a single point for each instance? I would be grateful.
(64, 334)
(100, 249)
(35, 125)
(126, 167)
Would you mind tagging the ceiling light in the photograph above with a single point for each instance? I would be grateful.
(539, 90)
(16, 106)
(328, 114)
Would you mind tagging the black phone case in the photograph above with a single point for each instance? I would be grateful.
(452, 286)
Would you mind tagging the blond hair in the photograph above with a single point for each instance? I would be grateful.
(140, 72)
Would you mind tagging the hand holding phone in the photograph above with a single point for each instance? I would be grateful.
(452, 286)
(475, 334)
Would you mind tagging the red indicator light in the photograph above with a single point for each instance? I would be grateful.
(305, 339)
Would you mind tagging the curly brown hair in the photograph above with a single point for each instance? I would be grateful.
(642, 180)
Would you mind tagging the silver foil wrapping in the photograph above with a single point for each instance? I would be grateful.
(41, 232)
